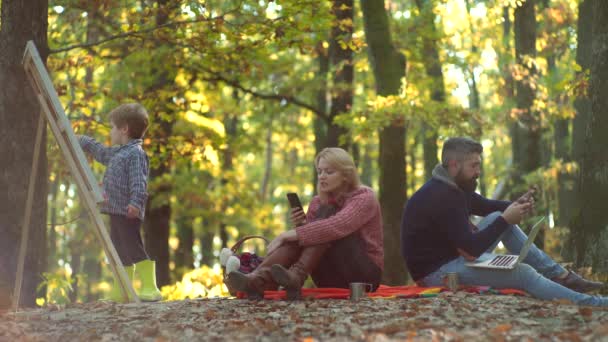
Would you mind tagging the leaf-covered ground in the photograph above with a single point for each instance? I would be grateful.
(447, 317)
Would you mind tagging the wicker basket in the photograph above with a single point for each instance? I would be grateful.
(236, 251)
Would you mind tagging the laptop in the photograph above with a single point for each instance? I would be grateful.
(508, 262)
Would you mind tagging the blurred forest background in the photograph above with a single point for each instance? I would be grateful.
(242, 94)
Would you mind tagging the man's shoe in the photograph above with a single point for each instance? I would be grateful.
(577, 283)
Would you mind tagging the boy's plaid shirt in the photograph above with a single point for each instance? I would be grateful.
(126, 178)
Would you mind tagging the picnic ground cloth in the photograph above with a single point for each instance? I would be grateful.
(384, 291)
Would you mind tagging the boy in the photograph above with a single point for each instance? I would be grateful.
(124, 186)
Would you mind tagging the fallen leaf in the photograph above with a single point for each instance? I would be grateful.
(502, 328)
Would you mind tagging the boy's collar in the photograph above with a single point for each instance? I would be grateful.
(133, 142)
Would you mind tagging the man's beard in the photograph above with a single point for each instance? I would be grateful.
(467, 185)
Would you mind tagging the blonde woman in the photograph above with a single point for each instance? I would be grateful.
(338, 241)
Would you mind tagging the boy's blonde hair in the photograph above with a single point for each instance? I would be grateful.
(342, 162)
(134, 116)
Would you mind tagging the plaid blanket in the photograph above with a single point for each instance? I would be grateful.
(383, 291)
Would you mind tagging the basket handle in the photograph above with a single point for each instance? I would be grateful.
(238, 244)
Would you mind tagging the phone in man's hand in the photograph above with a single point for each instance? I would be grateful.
(294, 200)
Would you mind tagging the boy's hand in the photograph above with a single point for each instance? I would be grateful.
(132, 212)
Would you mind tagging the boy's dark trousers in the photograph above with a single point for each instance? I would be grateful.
(126, 237)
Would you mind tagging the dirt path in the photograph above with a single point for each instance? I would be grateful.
(448, 317)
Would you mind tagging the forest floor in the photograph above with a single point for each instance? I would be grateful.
(448, 317)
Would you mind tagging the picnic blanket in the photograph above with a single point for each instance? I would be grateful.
(383, 291)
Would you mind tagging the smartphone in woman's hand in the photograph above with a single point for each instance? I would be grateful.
(294, 200)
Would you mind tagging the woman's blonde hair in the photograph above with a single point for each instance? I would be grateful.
(342, 162)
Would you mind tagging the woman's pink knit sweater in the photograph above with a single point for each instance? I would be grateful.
(359, 214)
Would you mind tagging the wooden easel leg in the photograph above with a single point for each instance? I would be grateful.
(28, 214)
(115, 264)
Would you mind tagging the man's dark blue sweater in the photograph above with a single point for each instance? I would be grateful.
(436, 223)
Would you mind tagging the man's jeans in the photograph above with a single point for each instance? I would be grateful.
(532, 275)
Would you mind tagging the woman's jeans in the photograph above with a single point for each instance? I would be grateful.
(532, 275)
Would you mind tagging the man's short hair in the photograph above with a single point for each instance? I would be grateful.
(132, 115)
(458, 148)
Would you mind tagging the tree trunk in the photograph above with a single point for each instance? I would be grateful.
(528, 130)
(320, 124)
(474, 98)
(207, 244)
(184, 259)
(432, 65)
(592, 217)
(341, 59)
(19, 116)
(158, 209)
(230, 126)
(388, 65)
(267, 160)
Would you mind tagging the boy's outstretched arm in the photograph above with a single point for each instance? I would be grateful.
(101, 153)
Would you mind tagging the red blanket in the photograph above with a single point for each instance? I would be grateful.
(409, 291)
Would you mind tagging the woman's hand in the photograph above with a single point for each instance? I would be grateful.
(287, 236)
(298, 218)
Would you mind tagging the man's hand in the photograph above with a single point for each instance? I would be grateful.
(529, 195)
(132, 212)
(298, 218)
(465, 255)
(516, 211)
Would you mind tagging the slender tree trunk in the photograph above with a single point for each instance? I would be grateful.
(366, 165)
(320, 124)
(158, 209)
(268, 160)
(592, 217)
(207, 244)
(230, 126)
(474, 98)
(75, 264)
(562, 139)
(527, 155)
(184, 259)
(19, 116)
(91, 266)
(341, 59)
(388, 65)
(432, 65)
(52, 235)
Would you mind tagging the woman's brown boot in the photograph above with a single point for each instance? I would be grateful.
(260, 280)
(293, 278)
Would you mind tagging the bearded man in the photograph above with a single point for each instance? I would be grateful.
(437, 236)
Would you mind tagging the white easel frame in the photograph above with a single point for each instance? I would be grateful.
(89, 190)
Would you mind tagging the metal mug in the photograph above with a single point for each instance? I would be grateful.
(451, 279)
(359, 290)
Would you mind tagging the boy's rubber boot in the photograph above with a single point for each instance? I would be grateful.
(115, 294)
(146, 272)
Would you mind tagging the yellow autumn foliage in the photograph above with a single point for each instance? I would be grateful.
(202, 282)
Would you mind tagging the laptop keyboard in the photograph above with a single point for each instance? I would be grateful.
(503, 260)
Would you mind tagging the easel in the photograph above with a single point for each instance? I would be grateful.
(74, 156)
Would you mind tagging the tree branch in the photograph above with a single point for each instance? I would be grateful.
(131, 34)
(279, 97)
